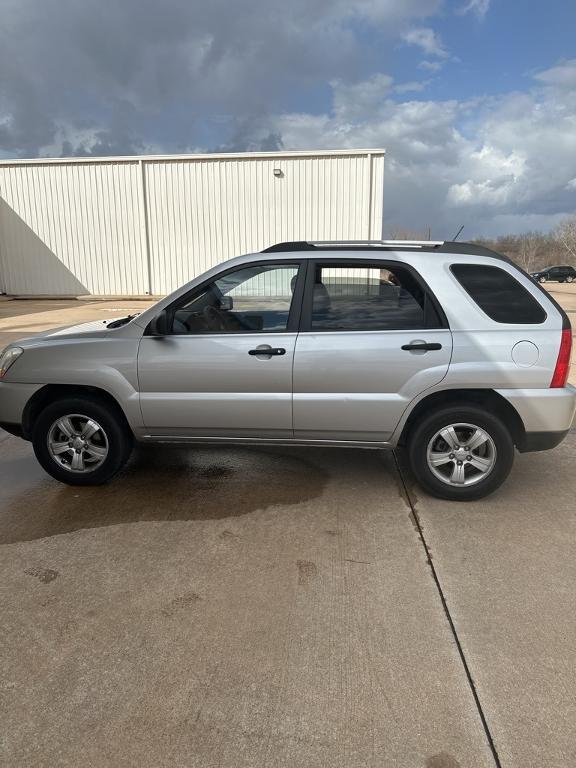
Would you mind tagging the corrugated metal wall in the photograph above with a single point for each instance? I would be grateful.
(70, 229)
(132, 226)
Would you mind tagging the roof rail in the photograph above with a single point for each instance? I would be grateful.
(309, 245)
(379, 243)
(426, 246)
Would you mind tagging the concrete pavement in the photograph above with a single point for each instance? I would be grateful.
(26, 317)
(225, 608)
(507, 566)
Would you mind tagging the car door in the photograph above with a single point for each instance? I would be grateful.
(372, 338)
(224, 369)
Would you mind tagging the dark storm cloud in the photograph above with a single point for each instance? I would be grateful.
(68, 68)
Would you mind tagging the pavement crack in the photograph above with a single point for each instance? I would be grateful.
(470, 679)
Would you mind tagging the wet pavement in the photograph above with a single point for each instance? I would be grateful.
(195, 481)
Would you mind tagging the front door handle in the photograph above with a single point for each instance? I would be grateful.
(421, 346)
(267, 351)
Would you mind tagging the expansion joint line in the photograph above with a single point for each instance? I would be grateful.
(469, 677)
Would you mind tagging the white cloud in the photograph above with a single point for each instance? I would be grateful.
(478, 7)
(486, 163)
(427, 40)
(174, 65)
(563, 75)
(431, 66)
(494, 177)
(412, 86)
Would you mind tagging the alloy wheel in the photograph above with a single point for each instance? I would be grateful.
(77, 443)
(461, 454)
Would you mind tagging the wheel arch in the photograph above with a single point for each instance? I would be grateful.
(50, 393)
(486, 398)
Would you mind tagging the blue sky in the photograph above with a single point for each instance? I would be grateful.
(474, 100)
(498, 52)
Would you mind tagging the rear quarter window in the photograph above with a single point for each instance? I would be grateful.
(499, 294)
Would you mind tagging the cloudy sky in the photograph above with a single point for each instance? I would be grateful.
(474, 100)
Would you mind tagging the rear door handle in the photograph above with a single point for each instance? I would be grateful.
(421, 346)
(268, 351)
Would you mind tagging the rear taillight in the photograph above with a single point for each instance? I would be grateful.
(563, 363)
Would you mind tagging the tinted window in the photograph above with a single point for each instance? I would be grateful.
(352, 297)
(499, 294)
(253, 299)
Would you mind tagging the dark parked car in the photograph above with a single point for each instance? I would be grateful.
(560, 274)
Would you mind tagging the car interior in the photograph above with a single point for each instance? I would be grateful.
(346, 298)
(248, 300)
(366, 299)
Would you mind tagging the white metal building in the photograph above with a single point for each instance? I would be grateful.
(145, 225)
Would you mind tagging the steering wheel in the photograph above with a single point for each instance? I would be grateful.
(215, 319)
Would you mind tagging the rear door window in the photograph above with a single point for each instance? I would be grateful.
(369, 297)
(499, 294)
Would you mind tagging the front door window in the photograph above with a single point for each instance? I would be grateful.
(253, 299)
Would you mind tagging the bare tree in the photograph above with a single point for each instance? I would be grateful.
(528, 248)
(565, 233)
(532, 250)
(401, 233)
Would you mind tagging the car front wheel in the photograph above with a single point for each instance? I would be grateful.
(460, 453)
(542, 279)
(80, 441)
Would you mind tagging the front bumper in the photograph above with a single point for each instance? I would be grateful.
(13, 400)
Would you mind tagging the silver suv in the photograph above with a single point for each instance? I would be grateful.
(445, 348)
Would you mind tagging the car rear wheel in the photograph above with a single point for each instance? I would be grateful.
(460, 453)
(80, 441)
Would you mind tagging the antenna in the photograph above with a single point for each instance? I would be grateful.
(457, 235)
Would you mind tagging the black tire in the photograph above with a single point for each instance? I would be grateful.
(542, 279)
(113, 430)
(419, 440)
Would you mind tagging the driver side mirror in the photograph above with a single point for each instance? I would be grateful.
(161, 325)
(226, 303)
